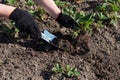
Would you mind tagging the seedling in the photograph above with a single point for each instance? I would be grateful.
(114, 19)
(67, 70)
(11, 2)
(10, 31)
(40, 12)
(30, 3)
(108, 11)
(71, 71)
(62, 4)
(70, 11)
(85, 22)
(58, 69)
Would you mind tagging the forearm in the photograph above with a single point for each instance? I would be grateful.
(6, 10)
(50, 7)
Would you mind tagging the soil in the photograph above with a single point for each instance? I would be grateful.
(96, 56)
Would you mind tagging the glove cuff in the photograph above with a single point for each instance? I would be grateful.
(17, 14)
(66, 21)
(59, 18)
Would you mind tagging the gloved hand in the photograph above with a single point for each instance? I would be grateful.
(66, 21)
(24, 22)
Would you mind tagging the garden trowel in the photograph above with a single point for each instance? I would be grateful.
(51, 39)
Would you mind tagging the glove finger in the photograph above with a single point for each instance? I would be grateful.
(37, 30)
(66, 21)
(35, 33)
(36, 27)
(24, 27)
(33, 29)
(19, 27)
(30, 29)
(38, 34)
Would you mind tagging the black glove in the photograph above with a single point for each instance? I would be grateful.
(24, 22)
(66, 21)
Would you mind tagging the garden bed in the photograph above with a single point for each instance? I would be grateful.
(95, 56)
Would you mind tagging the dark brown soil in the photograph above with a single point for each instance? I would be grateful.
(96, 56)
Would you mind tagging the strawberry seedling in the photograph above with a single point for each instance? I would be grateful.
(11, 2)
(67, 70)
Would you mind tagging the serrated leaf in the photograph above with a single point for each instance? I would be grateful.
(68, 67)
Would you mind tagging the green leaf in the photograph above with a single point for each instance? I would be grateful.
(54, 69)
(58, 68)
(114, 22)
(16, 30)
(117, 15)
(79, 15)
(11, 2)
(115, 7)
(30, 3)
(70, 73)
(68, 67)
(101, 16)
(76, 73)
(31, 12)
(87, 17)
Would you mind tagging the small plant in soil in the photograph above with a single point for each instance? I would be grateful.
(41, 13)
(11, 2)
(58, 68)
(67, 70)
(62, 4)
(84, 21)
(71, 71)
(30, 3)
(11, 31)
(108, 11)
